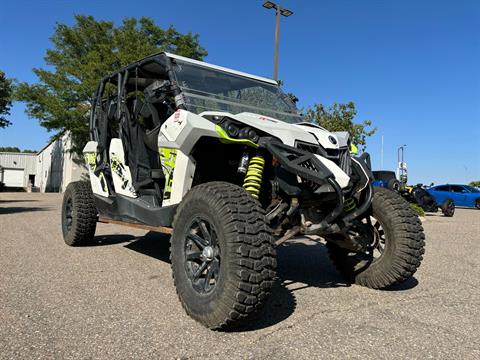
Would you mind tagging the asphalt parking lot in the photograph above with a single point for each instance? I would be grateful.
(116, 299)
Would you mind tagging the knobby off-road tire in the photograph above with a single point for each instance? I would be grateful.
(79, 214)
(403, 246)
(237, 250)
(448, 208)
(394, 185)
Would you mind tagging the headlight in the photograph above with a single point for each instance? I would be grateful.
(248, 133)
(231, 128)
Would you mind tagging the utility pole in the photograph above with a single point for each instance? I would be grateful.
(278, 11)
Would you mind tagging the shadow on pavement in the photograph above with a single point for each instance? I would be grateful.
(153, 244)
(434, 214)
(16, 201)
(105, 240)
(301, 265)
(406, 285)
(16, 210)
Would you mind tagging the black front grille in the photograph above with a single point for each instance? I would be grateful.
(311, 148)
(341, 156)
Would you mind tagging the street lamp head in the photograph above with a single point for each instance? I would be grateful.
(286, 12)
(269, 5)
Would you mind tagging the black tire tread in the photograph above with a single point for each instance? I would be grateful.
(446, 207)
(84, 213)
(254, 258)
(409, 243)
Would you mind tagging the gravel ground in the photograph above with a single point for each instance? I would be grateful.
(116, 299)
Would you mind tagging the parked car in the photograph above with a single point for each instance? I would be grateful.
(420, 196)
(462, 195)
(386, 179)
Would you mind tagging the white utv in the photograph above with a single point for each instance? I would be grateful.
(223, 161)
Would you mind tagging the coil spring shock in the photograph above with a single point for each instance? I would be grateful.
(253, 179)
(349, 204)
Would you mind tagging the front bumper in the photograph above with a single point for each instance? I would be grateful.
(310, 168)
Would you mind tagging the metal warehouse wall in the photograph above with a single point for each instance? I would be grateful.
(57, 166)
(19, 161)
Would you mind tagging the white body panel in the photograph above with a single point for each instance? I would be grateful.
(323, 136)
(121, 175)
(341, 178)
(182, 178)
(183, 129)
(181, 132)
(286, 132)
(98, 183)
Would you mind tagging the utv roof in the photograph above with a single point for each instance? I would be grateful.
(159, 56)
(221, 68)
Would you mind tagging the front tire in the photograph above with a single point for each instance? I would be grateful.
(401, 245)
(223, 260)
(79, 214)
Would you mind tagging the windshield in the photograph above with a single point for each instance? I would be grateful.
(207, 89)
(471, 189)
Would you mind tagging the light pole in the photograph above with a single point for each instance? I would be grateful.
(402, 167)
(278, 11)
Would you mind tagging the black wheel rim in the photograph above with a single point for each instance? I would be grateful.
(202, 255)
(68, 214)
(377, 248)
(451, 208)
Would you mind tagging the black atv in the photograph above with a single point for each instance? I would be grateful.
(418, 195)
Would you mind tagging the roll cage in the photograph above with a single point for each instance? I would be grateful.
(147, 92)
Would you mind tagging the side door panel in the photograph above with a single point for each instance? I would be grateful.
(440, 195)
(459, 197)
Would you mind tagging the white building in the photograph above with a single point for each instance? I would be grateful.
(56, 166)
(50, 170)
(17, 169)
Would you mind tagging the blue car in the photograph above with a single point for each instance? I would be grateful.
(462, 195)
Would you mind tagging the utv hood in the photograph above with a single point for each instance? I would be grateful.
(287, 133)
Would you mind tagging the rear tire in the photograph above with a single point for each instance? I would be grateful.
(403, 246)
(394, 185)
(448, 208)
(223, 260)
(477, 204)
(79, 214)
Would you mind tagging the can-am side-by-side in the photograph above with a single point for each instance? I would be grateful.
(223, 161)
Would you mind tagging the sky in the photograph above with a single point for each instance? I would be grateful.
(412, 67)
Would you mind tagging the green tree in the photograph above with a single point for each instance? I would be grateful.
(15, 149)
(339, 117)
(6, 90)
(9, 149)
(475, 183)
(84, 53)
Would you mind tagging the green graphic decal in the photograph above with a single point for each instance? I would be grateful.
(90, 159)
(119, 169)
(168, 158)
(227, 139)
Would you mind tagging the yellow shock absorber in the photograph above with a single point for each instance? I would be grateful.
(253, 179)
(349, 204)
